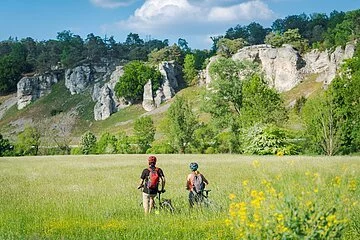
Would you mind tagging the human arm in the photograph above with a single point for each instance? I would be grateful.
(188, 182)
(162, 180)
(141, 183)
(205, 180)
(142, 179)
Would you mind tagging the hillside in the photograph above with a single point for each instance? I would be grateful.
(75, 112)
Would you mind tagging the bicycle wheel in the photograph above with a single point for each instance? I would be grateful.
(167, 206)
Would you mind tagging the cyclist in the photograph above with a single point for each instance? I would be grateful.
(149, 181)
(195, 183)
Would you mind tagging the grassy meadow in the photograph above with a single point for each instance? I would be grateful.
(95, 197)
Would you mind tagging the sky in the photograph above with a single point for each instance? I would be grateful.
(193, 20)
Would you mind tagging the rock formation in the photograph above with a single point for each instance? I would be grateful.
(31, 88)
(284, 67)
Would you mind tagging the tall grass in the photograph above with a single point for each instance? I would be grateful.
(95, 197)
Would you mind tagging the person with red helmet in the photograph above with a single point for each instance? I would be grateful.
(150, 180)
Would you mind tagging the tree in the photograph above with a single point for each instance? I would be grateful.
(322, 127)
(190, 73)
(72, 48)
(106, 144)
(225, 100)
(260, 103)
(227, 47)
(291, 36)
(88, 143)
(5, 146)
(28, 141)
(169, 53)
(95, 48)
(182, 122)
(256, 33)
(136, 75)
(345, 91)
(123, 144)
(144, 132)
(133, 40)
(183, 44)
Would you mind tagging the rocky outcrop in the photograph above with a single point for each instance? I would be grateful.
(171, 73)
(104, 96)
(284, 67)
(326, 63)
(79, 78)
(31, 88)
(148, 100)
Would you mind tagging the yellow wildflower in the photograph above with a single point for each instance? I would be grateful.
(256, 164)
(352, 185)
(337, 181)
(232, 196)
(245, 182)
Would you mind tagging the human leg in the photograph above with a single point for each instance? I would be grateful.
(191, 198)
(146, 200)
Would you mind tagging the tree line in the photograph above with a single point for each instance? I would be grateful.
(246, 116)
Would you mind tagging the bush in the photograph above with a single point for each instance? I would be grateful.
(76, 151)
(161, 148)
(267, 140)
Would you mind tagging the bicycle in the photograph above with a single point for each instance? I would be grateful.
(164, 204)
(202, 199)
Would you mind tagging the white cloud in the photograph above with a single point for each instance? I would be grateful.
(244, 11)
(192, 18)
(160, 15)
(111, 3)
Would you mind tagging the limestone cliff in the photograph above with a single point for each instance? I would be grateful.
(31, 88)
(285, 67)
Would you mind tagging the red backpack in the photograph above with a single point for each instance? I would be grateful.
(153, 180)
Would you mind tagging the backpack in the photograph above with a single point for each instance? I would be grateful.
(198, 183)
(153, 179)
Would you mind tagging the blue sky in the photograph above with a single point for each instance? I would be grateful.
(194, 20)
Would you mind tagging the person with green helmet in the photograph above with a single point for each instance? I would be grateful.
(195, 184)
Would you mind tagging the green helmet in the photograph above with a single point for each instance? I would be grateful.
(194, 166)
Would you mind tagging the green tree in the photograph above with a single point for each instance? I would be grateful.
(88, 143)
(227, 47)
(106, 144)
(267, 139)
(123, 143)
(28, 141)
(260, 103)
(291, 36)
(322, 127)
(190, 73)
(182, 122)
(136, 75)
(72, 48)
(95, 48)
(144, 131)
(345, 90)
(225, 100)
(5, 146)
(169, 53)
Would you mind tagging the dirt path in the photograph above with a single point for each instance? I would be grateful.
(8, 103)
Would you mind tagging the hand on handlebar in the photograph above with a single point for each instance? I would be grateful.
(161, 191)
(140, 186)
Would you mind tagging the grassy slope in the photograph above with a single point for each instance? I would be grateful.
(61, 100)
(95, 197)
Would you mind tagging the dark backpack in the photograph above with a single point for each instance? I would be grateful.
(198, 183)
(153, 180)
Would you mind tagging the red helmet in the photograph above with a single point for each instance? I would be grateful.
(152, 159)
